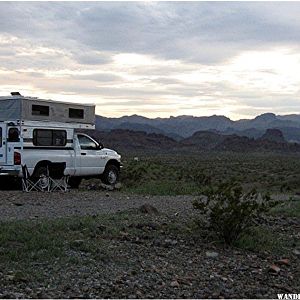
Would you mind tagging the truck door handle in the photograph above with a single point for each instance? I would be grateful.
(82, 153)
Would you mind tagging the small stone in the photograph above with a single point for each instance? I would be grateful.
(171, 242)
(296, 252)
(107, 194)
(283, 261)
(274, 269)
(10, 277)
(118, 186)
(148, 209)
(211, 254)
(78, 242)
(174, 284)
(18, 296)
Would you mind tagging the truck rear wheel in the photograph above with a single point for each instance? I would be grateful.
(74, 182)
(110, 175)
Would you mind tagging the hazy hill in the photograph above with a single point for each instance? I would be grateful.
(204, 139)
(185, 126)
(128, 141)
(273, 135)
(134, 141)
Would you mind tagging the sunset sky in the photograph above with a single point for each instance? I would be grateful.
(155, 59)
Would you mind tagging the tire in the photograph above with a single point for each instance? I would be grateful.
(74, 182)
(110, 175)
(41, 172)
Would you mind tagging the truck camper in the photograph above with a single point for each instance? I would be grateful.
(38, 133)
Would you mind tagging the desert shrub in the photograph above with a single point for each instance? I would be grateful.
(230, 211)
(262, 239)
(134, 172)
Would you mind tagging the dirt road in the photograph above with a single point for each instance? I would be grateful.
(20, 205)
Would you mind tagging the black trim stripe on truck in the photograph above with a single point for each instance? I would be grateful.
(45, 148)
(30, 140)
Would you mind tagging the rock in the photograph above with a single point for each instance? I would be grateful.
(174, 284)
(139, 294)
(148, 209)
(296, 252)
(211, 254)
(107, 187)
(78, 242)
(274, 269)
(18, 296)
(107, 194)
(91, 187)
(283, 261)
(118, 186)
(10, 277)
(18, 204)
(274, 135)
(170, 242)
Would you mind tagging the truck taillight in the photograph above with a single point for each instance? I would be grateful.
(17, 158)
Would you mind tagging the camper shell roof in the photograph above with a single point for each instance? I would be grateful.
(18, 107)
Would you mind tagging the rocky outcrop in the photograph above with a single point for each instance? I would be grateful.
(274, 135)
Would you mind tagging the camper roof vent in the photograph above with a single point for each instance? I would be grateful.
(15, 94)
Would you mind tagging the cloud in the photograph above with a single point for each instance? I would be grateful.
(148, 57)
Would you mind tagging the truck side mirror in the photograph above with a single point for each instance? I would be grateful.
(100, 145)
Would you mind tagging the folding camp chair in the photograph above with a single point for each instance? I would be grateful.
(57, 177)
(28, 184)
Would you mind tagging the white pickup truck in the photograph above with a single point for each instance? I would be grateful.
(47, 136)
(84, 157)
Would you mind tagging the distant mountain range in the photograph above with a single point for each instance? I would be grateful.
(129, 141)
(182, 127)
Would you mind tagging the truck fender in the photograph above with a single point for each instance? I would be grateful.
(113, 162)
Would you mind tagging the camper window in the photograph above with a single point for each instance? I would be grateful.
(40, 110)
(13, 135)
(49, 137)
(75, 113)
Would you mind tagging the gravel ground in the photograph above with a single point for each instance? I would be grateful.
(19, 205)
(144, 258)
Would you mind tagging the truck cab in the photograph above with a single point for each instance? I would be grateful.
(93, 159)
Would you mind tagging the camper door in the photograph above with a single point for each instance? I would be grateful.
(2, 143)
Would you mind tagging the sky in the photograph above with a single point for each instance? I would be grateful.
(156, 59)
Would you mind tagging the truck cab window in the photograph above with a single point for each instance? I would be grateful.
(13, 135)
(86, 143)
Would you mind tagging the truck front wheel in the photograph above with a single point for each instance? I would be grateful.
(110, 175)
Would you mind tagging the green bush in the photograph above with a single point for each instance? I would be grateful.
(230, 211)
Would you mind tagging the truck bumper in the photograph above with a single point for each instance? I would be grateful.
(5, 171)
